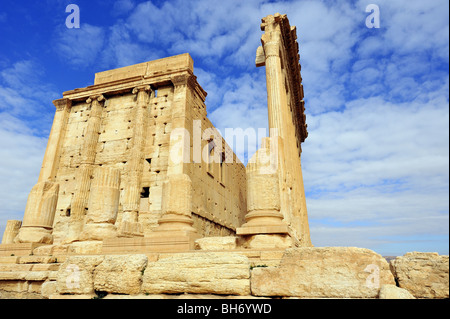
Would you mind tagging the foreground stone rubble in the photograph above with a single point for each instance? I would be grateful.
(307, 272)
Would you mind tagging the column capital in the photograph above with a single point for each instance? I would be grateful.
(189, 80)
(271, 21)
(140, 88)
(271, 44)
(98, 97)
(62, 104)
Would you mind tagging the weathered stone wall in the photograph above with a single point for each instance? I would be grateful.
(220, 186)
(219, 198)
(223, 270)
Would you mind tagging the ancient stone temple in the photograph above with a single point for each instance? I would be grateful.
(140, 197)
(133, 162)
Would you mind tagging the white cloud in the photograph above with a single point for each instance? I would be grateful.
(21, 156)
(79, 47)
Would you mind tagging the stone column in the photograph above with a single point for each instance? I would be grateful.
(51, 157)
(131, 199)
(84, 173)
(103, 204)
(279, 54)
(39, 214)
(276, 96)
(264, 227)
(11, 231)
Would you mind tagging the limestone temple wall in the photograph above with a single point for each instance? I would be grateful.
(219, 204)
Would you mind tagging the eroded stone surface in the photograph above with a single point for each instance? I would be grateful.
(200, 273)
(394, 292)
(120, 274)
(76, 275)
(425, 275)
(324, 272)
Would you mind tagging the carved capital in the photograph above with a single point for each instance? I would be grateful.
(62, 104)
(271, 48)
(142, 88)
(269, 23)
(98, 97)
(181, 80)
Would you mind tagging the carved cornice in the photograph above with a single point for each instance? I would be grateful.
(62, 104)
(189, 81)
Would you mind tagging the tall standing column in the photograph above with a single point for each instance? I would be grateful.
(131, 199)
(85, 170)
(11, 231)
(51, 156)
(39, 212)
(279, 54)
(276, 97)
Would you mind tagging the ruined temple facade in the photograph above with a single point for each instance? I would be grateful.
(128, 162)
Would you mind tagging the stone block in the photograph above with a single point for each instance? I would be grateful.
(120, 274)
(198, 273)
(216, 243)
(267, 241)
(36, 260)
(92, 247)
(14, 286)
(76, 275)
(323, 272)
(394, 292)
(48, 288)
(424, 275)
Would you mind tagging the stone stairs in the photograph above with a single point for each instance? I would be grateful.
(26, 276)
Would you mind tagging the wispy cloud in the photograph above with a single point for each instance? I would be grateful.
(79, 47)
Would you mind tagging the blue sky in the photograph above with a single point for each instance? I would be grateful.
(376, 162)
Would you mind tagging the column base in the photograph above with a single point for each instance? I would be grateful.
(98, 231)
(130, 229)
(267, 241)
(30, 234)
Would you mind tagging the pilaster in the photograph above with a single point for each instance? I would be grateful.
(131, 199)
(84, 173)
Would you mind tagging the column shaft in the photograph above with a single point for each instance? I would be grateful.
(51, 157)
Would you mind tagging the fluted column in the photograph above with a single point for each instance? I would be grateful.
(103, 204)
(39, 214)
(11, 231)
(51, 156)
(276, 96)
(131, 198)
(85, 170)
(264, 227)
